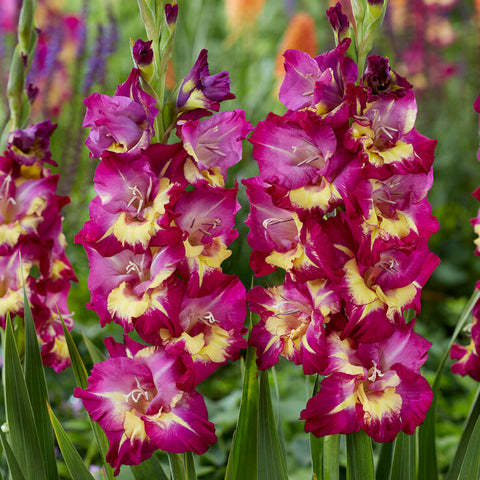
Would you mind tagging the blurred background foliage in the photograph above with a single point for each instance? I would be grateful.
(435, 43)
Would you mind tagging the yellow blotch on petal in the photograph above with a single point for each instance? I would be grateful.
(123, 302)
(379, 405)
(134, 427)
(314, 196)
(10, 233)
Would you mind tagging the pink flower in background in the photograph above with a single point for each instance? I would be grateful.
(32, 244)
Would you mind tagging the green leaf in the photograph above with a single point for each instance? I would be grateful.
(331, 450)
(427, 457)
(149, 469)
(13, 467)
(37, 389)
(471, 463)
(242, 461)
(465, 439)
(81, 378)
(384, 465)
(95, 353)
(359, 456)
(21, 422)
(271, 460)
(404, 458)
(73, 460)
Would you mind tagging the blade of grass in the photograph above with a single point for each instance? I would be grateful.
(23, 433)
(73, 460)
(427, 457)
(271, 460)
(37, 389)
(359, 457)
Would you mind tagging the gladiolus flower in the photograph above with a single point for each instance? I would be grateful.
(200, 90)
(138, 399)
(122, 123)
(374, 387)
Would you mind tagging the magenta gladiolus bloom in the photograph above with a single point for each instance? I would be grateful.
(374, 387)
(32, 144)
(215, 144)
(122, 123)
(200, 90)
(468, 357)
(138, 398)
(292, 323)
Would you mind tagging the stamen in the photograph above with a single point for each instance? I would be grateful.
(208, 319)
(375, 372)
(133, 267)
(215, 150)
(273, 221)
(292, 311)
(309, 160)
(136, 195)
(136, 393)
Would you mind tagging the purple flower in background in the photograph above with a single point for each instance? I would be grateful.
(122, 123)
(32, 144)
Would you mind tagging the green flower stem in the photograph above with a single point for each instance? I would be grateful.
(359, 457)
(18, 104)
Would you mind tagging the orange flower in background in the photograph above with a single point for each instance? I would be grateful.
(397, 13)
(242, 15)
(299, 35)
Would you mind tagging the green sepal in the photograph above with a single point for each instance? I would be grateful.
(359, 456)
(331, 451)
(271, 459)
(384, 465)
(21, 422)
(177, 466)
(404, 458)
(242, 460)
(190, 466)
(316, 443)
(149, 469)
(74, 462)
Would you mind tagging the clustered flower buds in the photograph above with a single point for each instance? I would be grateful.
(158, 233)
(340, 205)
(32, 245)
